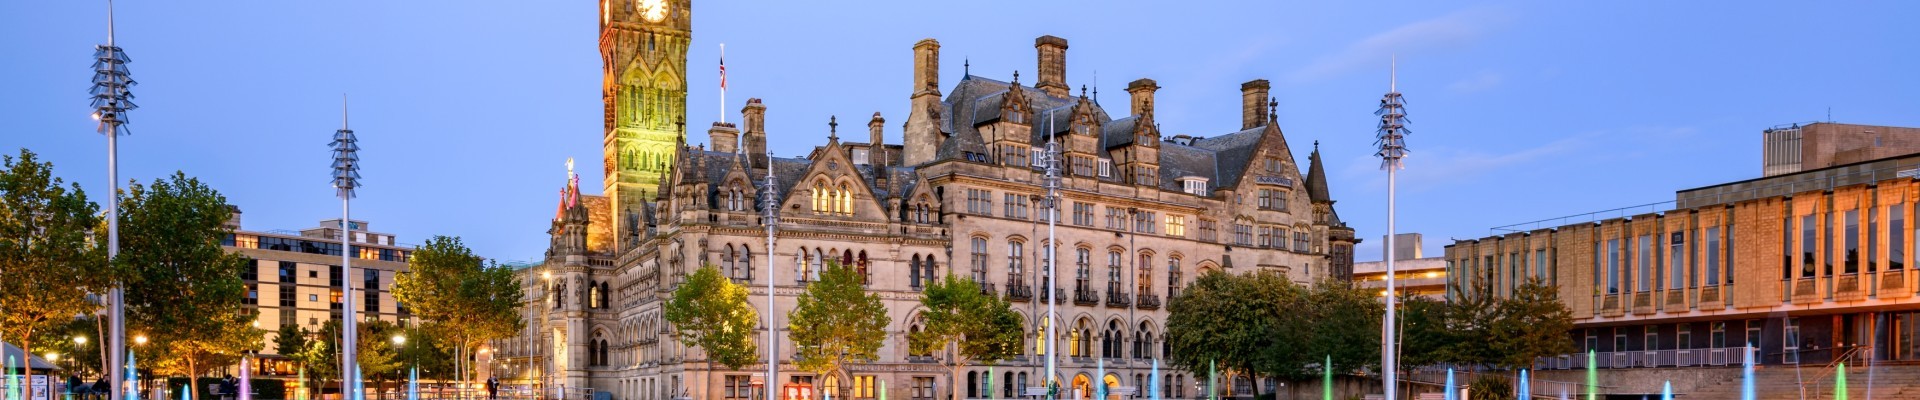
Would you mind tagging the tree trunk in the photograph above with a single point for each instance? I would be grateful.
(26, 342)
(193, 378)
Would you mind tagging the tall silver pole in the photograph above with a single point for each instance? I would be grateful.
(346, 178)
(1053, 205)
(1392, 144)
(771, 220)
(110, 102)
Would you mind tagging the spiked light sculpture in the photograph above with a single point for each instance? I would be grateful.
(770, 216)
(1390, 138)
(111, 101)
(346, 178)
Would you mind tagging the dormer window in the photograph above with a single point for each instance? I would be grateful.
(860, 157)
(1195, 186)
(1106, 168)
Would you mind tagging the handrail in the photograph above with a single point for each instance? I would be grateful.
(1828, 370)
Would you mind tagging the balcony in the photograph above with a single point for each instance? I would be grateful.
(1148, 301)
(921, 360)
(1086, 297)
(1117, 299)
(1019, 292)
(988, 289)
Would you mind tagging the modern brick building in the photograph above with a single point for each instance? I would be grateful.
(1809, 267)
(1796, 147)
(1141, 216)
(294, 278)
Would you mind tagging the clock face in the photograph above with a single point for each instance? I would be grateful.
(653, 10)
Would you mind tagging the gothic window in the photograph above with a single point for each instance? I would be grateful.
(1113, 271)
(1115, 341)
(1076, 344)
(1143, 344)
(1082, 257)
(1016, 256)
(913, 273)
(1145, 278)
(860, 267)
(726, 261)
(593, 296)
(846, 200)
(930, 267)
(1173, 277)
(979, 258)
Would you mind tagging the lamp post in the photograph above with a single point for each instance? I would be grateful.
(346, 178)
(770, 216)
(78, 343)
(1390, 138)
(111, 101)
(1051, 160)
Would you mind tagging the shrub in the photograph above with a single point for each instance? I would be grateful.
(1491, 387)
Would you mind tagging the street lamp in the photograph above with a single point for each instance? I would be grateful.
(140, 340)
(111, 101)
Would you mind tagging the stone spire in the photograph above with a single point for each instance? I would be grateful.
(1317, 177)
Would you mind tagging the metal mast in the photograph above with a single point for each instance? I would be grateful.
(770, 216)
(346, 177)
(1390, 138)
(1051, 159)
(111, 101)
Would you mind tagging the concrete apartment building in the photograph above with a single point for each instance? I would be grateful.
(295, 277)
(1142, 214)
(1809, 267)
(1414, 273)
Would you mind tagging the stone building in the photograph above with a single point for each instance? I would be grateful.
(1141, 216)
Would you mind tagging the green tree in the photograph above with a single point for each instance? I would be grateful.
(48, 263)
(1248, 323)
(968, 325)
(378, 356)
(290, 340)
(424, 351)
(1344, 324)
(183, 288)
(470, 302)
(836, 320)
(82, 359)
(711, 312)
(1532, 323)
(1425, 335)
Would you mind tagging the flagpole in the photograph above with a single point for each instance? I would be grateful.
(723, 82)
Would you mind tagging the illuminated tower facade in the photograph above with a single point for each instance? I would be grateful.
(643, 48)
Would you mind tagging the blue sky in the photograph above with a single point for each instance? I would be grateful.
(468, 109)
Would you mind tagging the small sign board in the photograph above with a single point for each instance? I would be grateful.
(1124, 390)
(1037, 391)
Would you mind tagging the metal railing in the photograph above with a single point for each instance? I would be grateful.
(1724, 356)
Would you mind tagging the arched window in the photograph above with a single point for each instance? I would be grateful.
(1143, 342)
(819, 260)
(932, 270)
(1173, 277)
(913, 273)
(1016, 264)
(1113, 271)
(819, 197)
(1074, 343)
(979, 258)
(593, 295)
(1115, 341)
(973, 384)
(846, 200)
(605, 295)
(726, 261)
(1144, 280)
(1081, 274)
(860, 266)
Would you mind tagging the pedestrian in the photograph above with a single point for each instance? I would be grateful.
(227, 387)
(493, 388)
(101, 388)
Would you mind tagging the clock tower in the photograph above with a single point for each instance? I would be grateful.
(643, 51)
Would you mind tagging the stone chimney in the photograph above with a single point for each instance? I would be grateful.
(724, 137)
(1253, 103)
(1053, 65)
(1142, 91)
(926, 68)
(754, 119)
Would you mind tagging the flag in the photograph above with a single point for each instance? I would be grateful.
(723, 70)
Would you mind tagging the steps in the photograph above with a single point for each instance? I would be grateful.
(1783, 383)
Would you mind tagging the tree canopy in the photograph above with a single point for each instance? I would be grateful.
(467, 301)
(836, 320)
(711, 312)
(970, 326)
(183, 288)
(48, 259)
